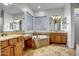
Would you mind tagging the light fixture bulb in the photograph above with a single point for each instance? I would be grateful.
(24, 9)
(38, 6)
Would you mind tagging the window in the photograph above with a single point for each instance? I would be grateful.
(41, 23)
(29, 22)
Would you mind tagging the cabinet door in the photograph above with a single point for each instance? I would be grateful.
(57, 38)
(64, 38)
(20, 39)
(12, 41)
(4, 44)
(8, 51)
(18, 49)
(52, 38)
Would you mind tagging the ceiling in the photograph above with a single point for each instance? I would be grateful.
(12, 9)
(45, 6)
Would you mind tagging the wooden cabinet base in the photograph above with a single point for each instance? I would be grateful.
(12, 47)
(58, 38)
(8, 51)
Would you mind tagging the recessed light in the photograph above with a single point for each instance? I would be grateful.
(24, 9)
(38, 6)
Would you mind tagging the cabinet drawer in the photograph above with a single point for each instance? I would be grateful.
(20, 38)
(12, 41)
(6, 51)
(4, 43)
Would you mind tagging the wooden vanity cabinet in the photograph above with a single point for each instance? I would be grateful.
(12, 47)
(58, 38)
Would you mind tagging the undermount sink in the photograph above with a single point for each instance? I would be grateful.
(3, 35)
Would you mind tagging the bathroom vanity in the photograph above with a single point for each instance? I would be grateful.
(58, 37)
(11, 45)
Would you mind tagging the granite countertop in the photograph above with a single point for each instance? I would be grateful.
(13, 36)
(52, 32)
(57, 31)
(25, 35)
(8, 37)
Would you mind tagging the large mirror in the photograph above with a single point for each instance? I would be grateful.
(12, 17)
(57, 23)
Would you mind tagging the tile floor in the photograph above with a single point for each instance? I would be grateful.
(50, 50)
